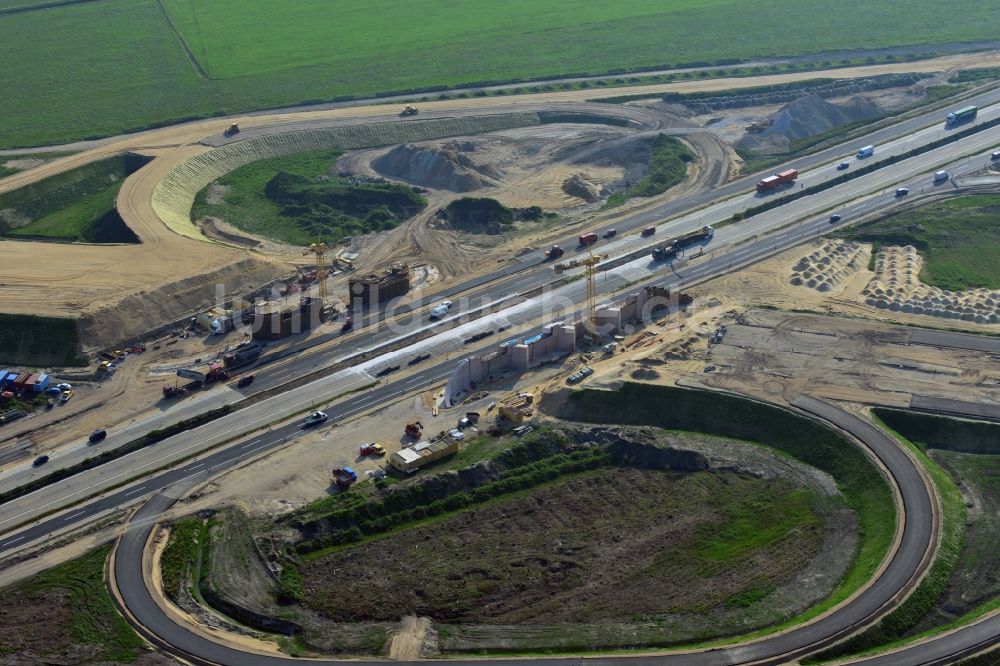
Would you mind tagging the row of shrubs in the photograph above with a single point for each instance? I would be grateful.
(152, 437)
(863, 171)
(376, 517)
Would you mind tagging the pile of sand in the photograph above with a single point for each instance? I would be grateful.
(441, 169)
(805, 117)
(829, 265)
(897, 287)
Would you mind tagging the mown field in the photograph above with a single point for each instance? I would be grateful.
(959, 240)
(104, 67)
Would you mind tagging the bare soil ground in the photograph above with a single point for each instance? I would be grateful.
(67, 280)
(584, 550)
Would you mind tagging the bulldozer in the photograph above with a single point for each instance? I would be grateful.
(409, 110)
(232, 129)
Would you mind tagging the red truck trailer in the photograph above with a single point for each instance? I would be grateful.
(771, 182)
(587, 239)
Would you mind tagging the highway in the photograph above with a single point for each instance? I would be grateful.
(530, 272)
(733, 246)
(910, 558)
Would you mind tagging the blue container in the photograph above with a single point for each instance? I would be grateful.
(42, 383)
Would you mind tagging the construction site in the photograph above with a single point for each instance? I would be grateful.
(538, 434)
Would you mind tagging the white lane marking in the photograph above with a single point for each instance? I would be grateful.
(256, 441)
(11, 542)
(74, 515)
(137, 490)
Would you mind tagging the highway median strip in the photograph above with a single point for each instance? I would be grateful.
(865, 170)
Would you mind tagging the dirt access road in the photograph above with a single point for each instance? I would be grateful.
(142, 280)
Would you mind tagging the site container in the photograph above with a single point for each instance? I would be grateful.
(587, 239)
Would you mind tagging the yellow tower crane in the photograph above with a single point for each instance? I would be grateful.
(319, 249)
(590, 271)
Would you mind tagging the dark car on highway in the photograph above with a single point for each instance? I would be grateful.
(97, 436)
(40, 460)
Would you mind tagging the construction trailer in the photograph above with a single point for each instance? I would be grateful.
(411, 459)
(274, 321)
(375, 289)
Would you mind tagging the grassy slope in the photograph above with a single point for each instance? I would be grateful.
(244, 204)
(863, 485)
(959, 239)
(667, 167)
(921, 602)
(326, 212)
(75, 588)
(77, 222)
(38, 341)
(102, 67)
(747, 517)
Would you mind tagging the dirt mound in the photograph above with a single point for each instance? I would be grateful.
(577, 186)
(805, 117)
(448, 168)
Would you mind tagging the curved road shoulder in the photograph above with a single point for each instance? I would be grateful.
(896, 578)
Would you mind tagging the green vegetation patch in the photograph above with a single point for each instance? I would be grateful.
(536, 557)
(297, 199)
(863, 485)
(37, 341)
(921, 602)
(76, 205)
(67, 614)
(181, 558)
(483, 215)
(958, 238)
(185, 58)
(668, 162)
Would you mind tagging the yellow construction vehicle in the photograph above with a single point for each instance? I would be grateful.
(409, 110)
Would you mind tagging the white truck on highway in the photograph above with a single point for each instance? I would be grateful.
(867, 151)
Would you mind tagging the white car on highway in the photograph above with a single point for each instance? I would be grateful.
(440, 310)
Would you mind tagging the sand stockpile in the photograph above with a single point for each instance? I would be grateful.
(449, 168)
(827, 267)
(897, 287)
(805, 117)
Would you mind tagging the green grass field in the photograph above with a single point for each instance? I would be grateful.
(104, 67)
(297, 199)
(959, 240)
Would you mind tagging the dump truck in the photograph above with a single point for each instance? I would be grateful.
(771, 182)
(409, 110)
(554, 252)
(962, 115)
(248, 352)
(176, 391)
(204, 374)
(343, 477)
(587, 239)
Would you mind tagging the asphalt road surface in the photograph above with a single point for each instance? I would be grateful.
(906, 564)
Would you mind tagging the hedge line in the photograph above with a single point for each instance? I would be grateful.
(152, 437)
(377, 517)
(863, 171)
(941, 432)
